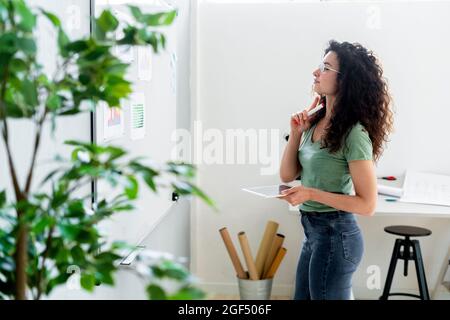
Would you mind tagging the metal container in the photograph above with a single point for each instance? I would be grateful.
(255, 289)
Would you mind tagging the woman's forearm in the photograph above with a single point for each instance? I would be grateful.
(350, 203)
(290, 166)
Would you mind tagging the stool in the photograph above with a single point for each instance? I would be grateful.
(406, 255)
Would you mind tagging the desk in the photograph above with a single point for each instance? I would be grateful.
(386, 208)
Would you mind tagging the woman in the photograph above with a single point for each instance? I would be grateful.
(333, 151)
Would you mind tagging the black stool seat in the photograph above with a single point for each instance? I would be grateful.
(406, 249)
(408, 231)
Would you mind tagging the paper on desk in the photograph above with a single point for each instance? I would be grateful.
(426, 188)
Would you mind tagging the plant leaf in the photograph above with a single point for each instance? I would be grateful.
(136, 12)
(27, 45)
(52, 18)
(42, 224)
(63, 40)
(70, 232)
(87, 281)
(2, 198)
(188, 293)
(53, 102)
(29, 91)
(132, 189)
(107, 22)
(77, 46)
(160, 19)
(156, 293)
(27, 18)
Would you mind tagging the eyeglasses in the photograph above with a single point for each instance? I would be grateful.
(323, 68)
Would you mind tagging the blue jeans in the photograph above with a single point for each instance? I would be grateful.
(331, 253)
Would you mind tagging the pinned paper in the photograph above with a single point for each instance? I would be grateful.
(145, 58)
(113, 122)
(137, 116)
(124, 53)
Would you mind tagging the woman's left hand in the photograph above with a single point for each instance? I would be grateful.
(296, 195)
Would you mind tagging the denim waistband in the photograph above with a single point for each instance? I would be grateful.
(327, 214)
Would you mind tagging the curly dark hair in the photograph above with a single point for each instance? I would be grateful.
(362, 96)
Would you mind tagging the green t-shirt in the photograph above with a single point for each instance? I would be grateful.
(330, 172)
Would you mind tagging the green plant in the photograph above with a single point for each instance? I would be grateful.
(43, 233)
(169, 279)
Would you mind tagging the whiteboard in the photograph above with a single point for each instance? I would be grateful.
(154, 86)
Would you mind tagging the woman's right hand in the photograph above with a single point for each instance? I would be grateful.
(300, 121)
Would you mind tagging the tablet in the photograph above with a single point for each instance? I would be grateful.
(273, 191)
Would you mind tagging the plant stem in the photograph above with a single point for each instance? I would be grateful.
(5, 134)
(62, 69)
(78, 185)
(35, 150)
(21, 262)
(42, 268)
(22, 237)
(12, 169)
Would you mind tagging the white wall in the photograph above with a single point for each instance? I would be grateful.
(253, 68)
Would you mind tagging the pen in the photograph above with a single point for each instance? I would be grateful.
(390, 178)
(314, 110)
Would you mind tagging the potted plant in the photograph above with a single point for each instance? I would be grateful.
(43, 233)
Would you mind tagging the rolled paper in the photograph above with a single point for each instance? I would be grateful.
(389, 191)
(253, 273)
(276, 245)
(264, 246)
(276, 262)
(233, 253)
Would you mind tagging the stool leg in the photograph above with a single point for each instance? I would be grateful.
(420, 271)
(392, 265)
(406, 256)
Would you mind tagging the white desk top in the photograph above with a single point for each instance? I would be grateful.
(386, 208)
(411, 209)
